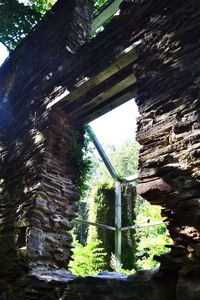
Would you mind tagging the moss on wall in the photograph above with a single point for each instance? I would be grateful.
(102, 210)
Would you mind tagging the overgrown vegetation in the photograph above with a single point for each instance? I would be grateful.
(88, 259)
(18, 17)
(149, 240)
(102, 210)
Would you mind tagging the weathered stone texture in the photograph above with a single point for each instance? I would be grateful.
(167, 72)
(36, 220)
(38, 173)
(57, 191)
(144, 285)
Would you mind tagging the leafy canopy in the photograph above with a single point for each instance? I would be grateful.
(18, 17)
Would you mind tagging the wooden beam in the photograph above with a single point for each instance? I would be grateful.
(105, 15)
(102, 153)
(143, 225)
(123, 84)
(98, 89)
(108, 105)
(127, 56)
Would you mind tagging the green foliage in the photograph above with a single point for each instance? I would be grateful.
(87, 260)
(41, 6)
(16, 20)
(99, 3)
(98, 212)
(98, 197)
(18, 17)
(102, 210)
(124, 159)
(150, 240)
(81, 160)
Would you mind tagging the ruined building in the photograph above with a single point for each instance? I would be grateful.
(54, 82)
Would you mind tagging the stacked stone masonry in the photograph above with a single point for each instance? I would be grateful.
(39, 172)
(39, 178)
(168, 72)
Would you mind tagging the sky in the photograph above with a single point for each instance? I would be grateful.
(113, 127)
(3, 53)
(117, 125)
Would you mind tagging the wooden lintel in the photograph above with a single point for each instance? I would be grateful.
(123, 84)
(122, 60)
(99, 89)
(107, 106)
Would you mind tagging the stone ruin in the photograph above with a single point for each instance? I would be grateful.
(39, 170)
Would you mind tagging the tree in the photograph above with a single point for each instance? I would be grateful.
(124, 159)
(18, 17)
(99, 3)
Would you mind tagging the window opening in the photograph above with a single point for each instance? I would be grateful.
(143, 225)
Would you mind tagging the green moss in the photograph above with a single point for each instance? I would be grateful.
(102, 210)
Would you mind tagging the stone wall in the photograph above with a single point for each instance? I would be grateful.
(39, 194)
(38, 173)
(144, 285)
(167, 74)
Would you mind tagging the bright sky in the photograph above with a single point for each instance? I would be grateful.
(117, 125)
(113, 127)
(3, 53)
